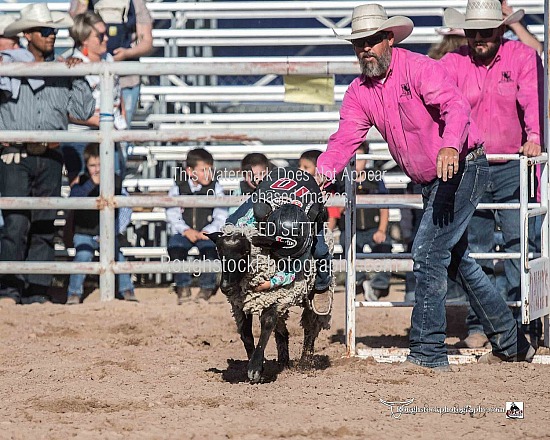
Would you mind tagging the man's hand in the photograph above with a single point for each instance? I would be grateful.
(192, 235)
(120, 54)
(321, 179)
(71, 61)
(530, 149)
(266, 285)
(506, 9)
(379, 237)
(8, 158)
(447, 163)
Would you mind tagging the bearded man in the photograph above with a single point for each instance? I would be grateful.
(426, 121)
(503, 82)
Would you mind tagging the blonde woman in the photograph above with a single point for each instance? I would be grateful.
(90, 45)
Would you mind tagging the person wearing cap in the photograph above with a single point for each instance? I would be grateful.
(502, 81)
(34, 168)
(7, 43)
(426, 121)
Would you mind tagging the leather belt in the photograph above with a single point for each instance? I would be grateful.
(475, 153)
(37, 148)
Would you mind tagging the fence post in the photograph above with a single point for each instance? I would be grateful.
(349, 230)
(545, 233)
(107, 189)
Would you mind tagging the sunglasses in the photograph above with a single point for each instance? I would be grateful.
(483, 33)
(370, 41)
(46, 31)
(100, 35)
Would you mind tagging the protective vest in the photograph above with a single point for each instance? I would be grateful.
(197, 218)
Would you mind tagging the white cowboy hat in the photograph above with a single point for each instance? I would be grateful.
(445, 31)
(38, 15)
(5, 20)
(369, 19)
(480, 14)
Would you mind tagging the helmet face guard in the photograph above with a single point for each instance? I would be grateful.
(287, 231)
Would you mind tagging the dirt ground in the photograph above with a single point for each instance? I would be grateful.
(154, 370)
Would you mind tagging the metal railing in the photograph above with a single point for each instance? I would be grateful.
(107, 201)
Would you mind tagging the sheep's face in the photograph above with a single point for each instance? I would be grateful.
(234, 251)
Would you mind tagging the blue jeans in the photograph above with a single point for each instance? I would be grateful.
(440, 249)
(85, 246)
(178, 248)
(380, 280)
(28, 235)
(503, 188)
(321, 253)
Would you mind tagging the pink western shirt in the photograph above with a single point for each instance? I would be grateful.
(416, 109)
(506, 96)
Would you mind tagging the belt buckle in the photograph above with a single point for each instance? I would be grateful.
(36, 148)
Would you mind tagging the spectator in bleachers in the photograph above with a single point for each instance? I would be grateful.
(426, 121)
(371, 227)
(130, 30)
(90, 45)
(7, 43)
(189, 225)
(254, 167)
(86, 228)
(452, 39)
(308, 162)
(496, 73)
(34, 168)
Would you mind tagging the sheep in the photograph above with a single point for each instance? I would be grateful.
(246, 266)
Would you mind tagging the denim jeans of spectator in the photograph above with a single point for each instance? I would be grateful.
(321, 253)
(85, 246)
(440, 249)
(378, 280)
(130, 95)
(28, 234)
(503, 188)
(178, 249)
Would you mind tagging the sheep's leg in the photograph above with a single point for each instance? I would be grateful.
(281, 338)
(312, 324)
(244, 327)
(268, 321)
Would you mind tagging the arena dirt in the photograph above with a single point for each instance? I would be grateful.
(154, 370)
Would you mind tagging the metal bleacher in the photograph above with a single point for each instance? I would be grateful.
(217, 31)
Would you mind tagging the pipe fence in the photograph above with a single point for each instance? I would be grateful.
(535, 272)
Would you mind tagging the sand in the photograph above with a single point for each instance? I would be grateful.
(155, 370)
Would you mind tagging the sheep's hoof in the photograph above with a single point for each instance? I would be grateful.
(255, 376)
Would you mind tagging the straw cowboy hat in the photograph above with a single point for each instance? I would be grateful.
(480, 14)
(445, 31)
(5, 20)
(38, 15)
(369, 19)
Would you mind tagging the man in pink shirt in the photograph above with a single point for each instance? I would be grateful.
(502, 81)
(426, 122)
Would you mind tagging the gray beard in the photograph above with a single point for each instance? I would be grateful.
(376, 68)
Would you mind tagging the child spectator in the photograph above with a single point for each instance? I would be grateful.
(86, 227)
(371, 228)
(254, 167)
(308, 162)
(189, 225)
